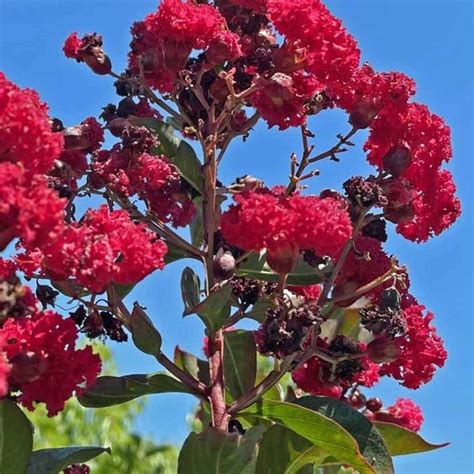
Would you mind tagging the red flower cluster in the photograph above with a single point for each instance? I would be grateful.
(425, 141)
(105, 247)
(46, 367)
(404, 412)
(127, 170)
(88, 49)
(28, 148)
(285, 225)
(5, 368)
(28, 208)
(330, 53)
(421, 350)
(163, 42)
(25, 135)
(282, 98)
(365, 262)
(315, 377)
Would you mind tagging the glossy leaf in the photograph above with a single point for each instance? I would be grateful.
(240, 362)
(259, 310)
(256, 267)
(371, 444)
(175, 253)
(192, 365)
(144, 334)
(70, 288)
(124, 290)
(178, 151)
(49, 461)
(16, 438)
(316, 428)
(215, 452)
(190, 288)
(402, 441)
(108, 391)
(281, 451)
(215, 309)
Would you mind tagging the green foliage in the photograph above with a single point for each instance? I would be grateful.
(113, 428)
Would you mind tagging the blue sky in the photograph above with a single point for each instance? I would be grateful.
(430, 40)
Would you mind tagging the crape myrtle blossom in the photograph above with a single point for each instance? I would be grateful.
(334, 307)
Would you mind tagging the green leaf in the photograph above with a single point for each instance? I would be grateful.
(16, 439)
(190, 288)
(192, 365)
(175, 253)
(282, 451)
(52, 461)
(215, 452)
(144, 334)
(240, 362)
(215, 309)
(402, 441)
(108, 391)
(316, 428)
(371, 444)
(259, 310)
(256, 267)
(70, 288)
(178, 151)
(124, 290)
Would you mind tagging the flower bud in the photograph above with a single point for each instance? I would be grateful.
(282, 260)
(330, 193)
(224, 265)
(27, 367)
(117, 125)
(399, 215)
(362, 114)
(357, 400)
(374, 404)
(100, 63)
(382, 351)
(397, 160)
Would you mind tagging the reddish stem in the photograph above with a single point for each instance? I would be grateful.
(220, 416)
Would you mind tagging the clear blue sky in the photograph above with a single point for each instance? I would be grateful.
(430, 40)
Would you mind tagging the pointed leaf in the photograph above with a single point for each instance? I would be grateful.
(175, 253)
(402, 441)
(240, 362)
(48, 461)
(371, 444)
(70, 288)
(215, 309)
(192, 365)
(177, 150)
(316, 428)
(144, 334)
(282, 451)
(256, 267)
(16, 438)
(108, 391)
(259, 310)
(190, 288)
(215, 452)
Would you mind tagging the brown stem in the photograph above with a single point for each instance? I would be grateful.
(266, 384)
(345, 252)
(394, 269)
(187, 379)
(219, 414)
